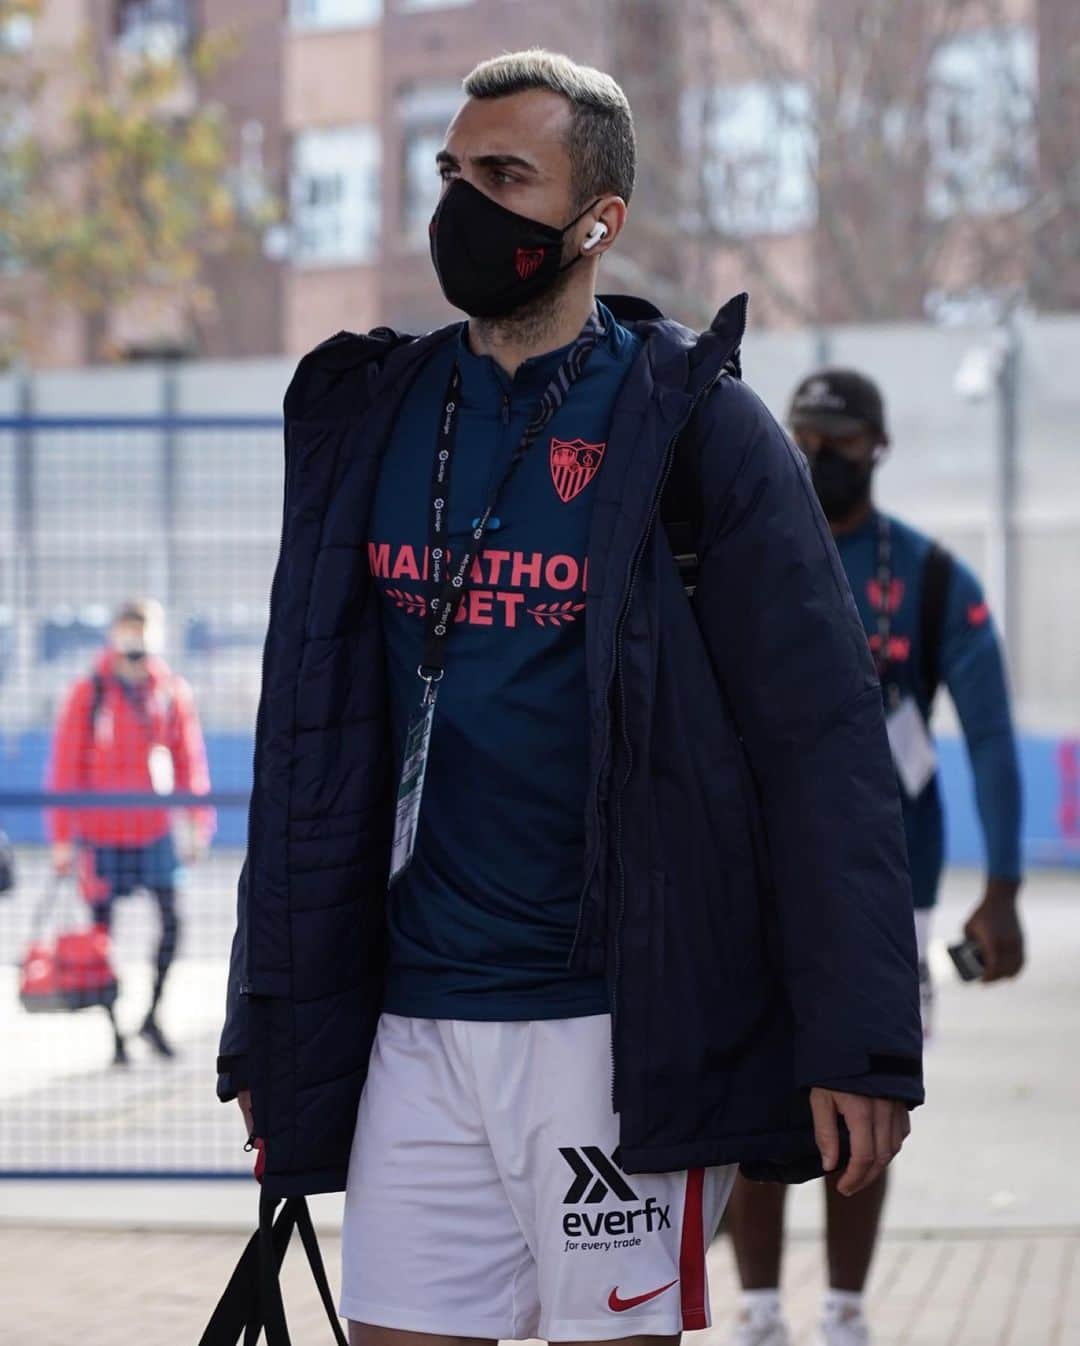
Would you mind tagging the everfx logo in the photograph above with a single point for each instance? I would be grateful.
(595, 1176)
(603, 1175)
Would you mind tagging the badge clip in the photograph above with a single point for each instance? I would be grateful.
(431, 684)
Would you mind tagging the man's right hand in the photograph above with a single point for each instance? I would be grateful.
(244, 1099)
(877, 1127)
(63, 857)
(995, 927)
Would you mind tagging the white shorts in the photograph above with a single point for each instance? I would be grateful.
(483, 1200)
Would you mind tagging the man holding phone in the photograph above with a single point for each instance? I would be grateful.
(927, 623)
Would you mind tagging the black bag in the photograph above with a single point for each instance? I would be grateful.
(252, 1301)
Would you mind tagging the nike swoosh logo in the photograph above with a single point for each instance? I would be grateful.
(617, 1305)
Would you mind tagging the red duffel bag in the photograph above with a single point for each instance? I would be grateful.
(71, 970)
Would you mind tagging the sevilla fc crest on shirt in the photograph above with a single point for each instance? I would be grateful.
(573, 465)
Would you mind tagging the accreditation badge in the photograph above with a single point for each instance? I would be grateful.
(411, 788)
(162, 771)
(912, 748)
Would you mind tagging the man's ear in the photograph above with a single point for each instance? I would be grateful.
(612, 214)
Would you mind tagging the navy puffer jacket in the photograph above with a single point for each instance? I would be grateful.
(745, 888)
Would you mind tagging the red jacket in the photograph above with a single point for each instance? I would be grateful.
(114, 754)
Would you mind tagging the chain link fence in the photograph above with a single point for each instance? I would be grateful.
(125, 759)
(97, 511)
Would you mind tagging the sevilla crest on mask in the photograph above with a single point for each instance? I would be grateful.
(527, 261)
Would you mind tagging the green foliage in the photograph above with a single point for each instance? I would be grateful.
(115, 177)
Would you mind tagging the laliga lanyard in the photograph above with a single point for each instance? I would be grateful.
(448, 575)
(884, 612)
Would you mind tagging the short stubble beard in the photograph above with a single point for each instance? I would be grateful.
(530, 324)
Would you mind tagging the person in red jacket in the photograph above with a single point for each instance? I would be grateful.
(131, 726)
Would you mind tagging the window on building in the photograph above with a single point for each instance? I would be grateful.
(16, 32)
(419, 184)
(161, 29)
(423, 114)
(758, 152)
(981, 122)
(413, 6)
(335, 195)
(334, 13)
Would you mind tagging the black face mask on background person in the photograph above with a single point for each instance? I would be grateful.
(841, 485)
(490, 261)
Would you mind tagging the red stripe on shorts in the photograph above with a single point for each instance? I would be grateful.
(692, 1254)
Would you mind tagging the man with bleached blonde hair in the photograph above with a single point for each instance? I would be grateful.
(555, 909)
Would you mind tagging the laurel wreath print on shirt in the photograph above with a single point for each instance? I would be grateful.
(543, 614)
(414, 604)
(554, 614)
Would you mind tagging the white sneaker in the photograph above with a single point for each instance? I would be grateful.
(759, 1327)
(843, 1327)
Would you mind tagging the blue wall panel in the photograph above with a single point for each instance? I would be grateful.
(1051, 770)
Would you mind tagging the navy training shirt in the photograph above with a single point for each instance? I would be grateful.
(483, 921)
(971, 667)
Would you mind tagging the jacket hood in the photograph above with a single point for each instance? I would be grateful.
(324, 386)
(682, 358)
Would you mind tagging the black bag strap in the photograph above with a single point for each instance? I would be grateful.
(252, 1302)
(238, 1308)
(318, 1270)
(97, 700)
(682, 510)
(937, 571)
(100, 687)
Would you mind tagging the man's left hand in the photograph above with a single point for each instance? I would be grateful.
(995, 927)
(878, 1128)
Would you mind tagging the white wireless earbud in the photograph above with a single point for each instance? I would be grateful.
(596, 234)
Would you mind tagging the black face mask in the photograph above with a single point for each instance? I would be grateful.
(841, 485)
(490, 261)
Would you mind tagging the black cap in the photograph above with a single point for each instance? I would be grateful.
(838, 402)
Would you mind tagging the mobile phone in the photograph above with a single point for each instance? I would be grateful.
(968, 960)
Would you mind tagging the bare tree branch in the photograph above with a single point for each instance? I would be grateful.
(885, 139)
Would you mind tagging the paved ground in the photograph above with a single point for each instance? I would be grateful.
(984, 1217)
(66, 1287)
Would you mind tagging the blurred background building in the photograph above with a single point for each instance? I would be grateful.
(848, 160)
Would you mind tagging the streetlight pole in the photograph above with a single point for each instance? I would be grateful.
(1006, 480)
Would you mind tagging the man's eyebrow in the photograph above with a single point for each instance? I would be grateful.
(445, 157)
(503, 161)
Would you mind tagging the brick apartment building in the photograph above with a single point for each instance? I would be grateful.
(338, 107)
